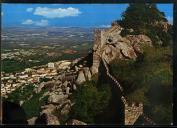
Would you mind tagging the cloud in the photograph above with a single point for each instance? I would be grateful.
(36, 23)
(105, 26)
(2, 13)
(170, 19)
(27, 22)
(41, 23)
(56, 12)
(29, 9)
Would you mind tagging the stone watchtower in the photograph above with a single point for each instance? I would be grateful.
(96, 50)
(133, 112)
(101, 38)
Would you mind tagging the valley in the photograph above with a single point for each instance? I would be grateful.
(23, 48)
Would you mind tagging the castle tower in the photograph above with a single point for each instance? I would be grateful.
(96, 57)
(132, 113)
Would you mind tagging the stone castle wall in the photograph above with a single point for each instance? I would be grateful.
(96, 49)
(101, 37)
(108, 45)
(132, 112)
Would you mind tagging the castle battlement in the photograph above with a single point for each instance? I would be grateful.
(132, 112)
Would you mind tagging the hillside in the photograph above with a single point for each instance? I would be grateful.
(126, 76)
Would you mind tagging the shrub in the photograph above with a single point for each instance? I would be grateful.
(32, 106)
(90, 101)
(21, 93)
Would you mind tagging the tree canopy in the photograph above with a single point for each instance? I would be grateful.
(143, 19)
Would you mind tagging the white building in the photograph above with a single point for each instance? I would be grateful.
(51, 65)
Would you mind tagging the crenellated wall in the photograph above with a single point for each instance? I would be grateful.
(132, 112)
(108, 45)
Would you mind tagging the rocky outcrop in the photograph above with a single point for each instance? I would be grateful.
(32, 121)
(137, 41)
(65, 84)
(83, 75)
(66, 109)
(52, 120)
(75, 122)
(80, 78)
(109, 44)
(47, 119)
(56, 98)
(87, 73)
(49, 85)
(74, 87)
(48, 109)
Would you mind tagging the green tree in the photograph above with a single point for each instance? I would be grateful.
(32, 106)
(90, 101)
(142, 18)
(22, 93)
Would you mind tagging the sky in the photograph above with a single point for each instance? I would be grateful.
(68, 15)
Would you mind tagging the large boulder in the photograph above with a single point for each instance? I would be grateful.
(80, 78)
(66, 109)
(47, 119)
(56, 98)
(87, 73)
(74, 87)
(76, 68)
(121, 49)
(48, 109)
(127, 51)
(31, 121)
(67, 90)
(52, 120)
(137, 41)
(75, 122)
(62, 104)
(58, 90)
(65, 84)
(58, 84)
(50, 85)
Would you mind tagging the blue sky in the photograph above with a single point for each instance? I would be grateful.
(65, 15)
